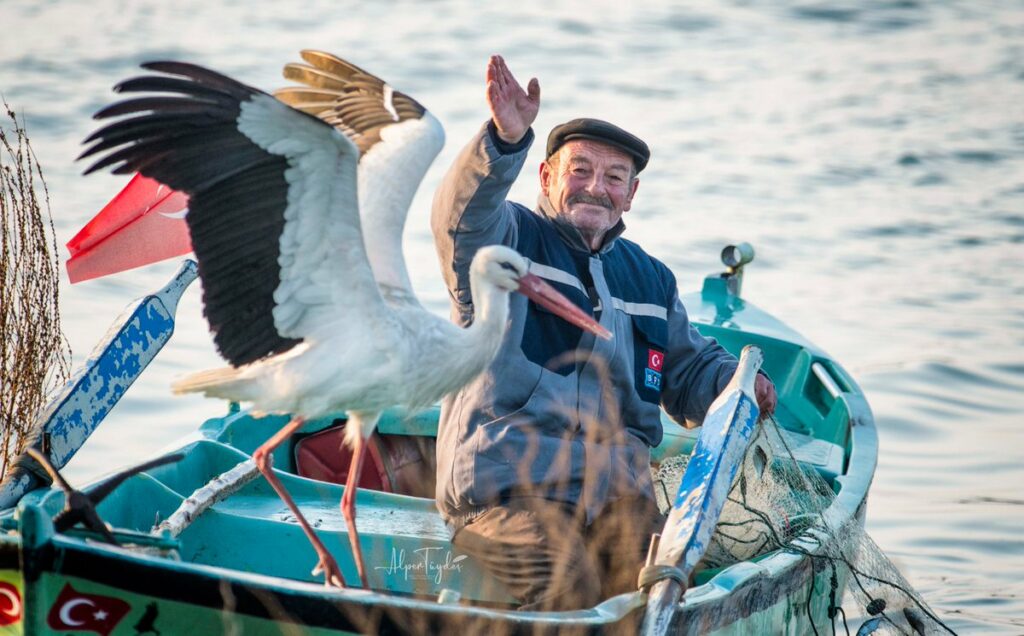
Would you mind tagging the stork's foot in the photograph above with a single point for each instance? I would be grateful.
(329, 568)
(264, 459)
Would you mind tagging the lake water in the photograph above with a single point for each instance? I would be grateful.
(872, 151)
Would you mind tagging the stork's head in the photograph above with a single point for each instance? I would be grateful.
(507, 270)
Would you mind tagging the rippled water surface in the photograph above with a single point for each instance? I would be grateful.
(871, 151)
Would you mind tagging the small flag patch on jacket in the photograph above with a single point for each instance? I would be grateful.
(655, 359)
(652, 374)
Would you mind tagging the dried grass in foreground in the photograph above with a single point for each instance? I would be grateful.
(34, 354)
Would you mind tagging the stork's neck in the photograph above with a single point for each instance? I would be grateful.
(490, 311)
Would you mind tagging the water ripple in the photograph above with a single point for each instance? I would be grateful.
(826, 13)
(991, 500)
(903, 230)
(978, 156)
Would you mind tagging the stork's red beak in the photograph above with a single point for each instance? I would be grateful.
(534, 288)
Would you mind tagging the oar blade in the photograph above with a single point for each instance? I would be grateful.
(720, 449)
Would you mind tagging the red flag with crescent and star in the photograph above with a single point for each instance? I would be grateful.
(10, 604)
(143, 224)
(655, 359)
(81, 612)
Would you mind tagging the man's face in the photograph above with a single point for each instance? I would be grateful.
(590, 185)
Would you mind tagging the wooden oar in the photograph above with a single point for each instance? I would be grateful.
(720, 448)
(70, 418)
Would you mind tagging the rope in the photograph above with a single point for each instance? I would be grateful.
(651, 574)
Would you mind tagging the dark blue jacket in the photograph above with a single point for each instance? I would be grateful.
(560, 413)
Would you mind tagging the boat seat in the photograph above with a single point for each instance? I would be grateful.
(401, 464)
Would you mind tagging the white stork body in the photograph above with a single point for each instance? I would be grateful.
(410, 357)
(296, 223)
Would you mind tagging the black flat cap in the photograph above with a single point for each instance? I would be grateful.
(599, 130)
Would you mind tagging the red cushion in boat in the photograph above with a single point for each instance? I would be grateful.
(394, 463)
(325, 457)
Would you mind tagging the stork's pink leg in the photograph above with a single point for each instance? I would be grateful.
(263, 456)
(348, 504)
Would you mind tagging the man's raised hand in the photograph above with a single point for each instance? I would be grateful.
(512, 109)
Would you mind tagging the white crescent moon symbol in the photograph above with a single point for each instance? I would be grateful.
(65, 610)
(180, 214)
(15, 602)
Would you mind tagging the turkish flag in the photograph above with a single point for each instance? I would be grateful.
(143, 224)
(10, 604)
(655, 359)
(76, 611)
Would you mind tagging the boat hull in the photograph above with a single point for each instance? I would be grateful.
(203, 600)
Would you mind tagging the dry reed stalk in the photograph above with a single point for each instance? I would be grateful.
(34, 354)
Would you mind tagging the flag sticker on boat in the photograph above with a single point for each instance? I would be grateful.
(78, 611)
(10, 604)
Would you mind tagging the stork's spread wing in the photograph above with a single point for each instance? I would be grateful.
(397, 139)
(272, 209)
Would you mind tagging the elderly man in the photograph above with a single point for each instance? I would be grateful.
(543, 460)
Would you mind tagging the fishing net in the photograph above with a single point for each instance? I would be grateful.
(773, 501)
(34, 354)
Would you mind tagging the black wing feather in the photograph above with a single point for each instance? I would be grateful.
(205, 77)
(161, 84)
(166, 105)
(141, 127)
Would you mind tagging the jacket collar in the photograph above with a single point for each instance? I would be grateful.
(571, 235)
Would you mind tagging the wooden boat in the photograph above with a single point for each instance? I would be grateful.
(242, 565)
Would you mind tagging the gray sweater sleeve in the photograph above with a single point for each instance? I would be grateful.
(470, 210)
(696, 368)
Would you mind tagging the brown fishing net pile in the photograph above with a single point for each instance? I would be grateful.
(34, 354)
(777, 503)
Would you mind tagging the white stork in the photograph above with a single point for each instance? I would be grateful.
(311, 319)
